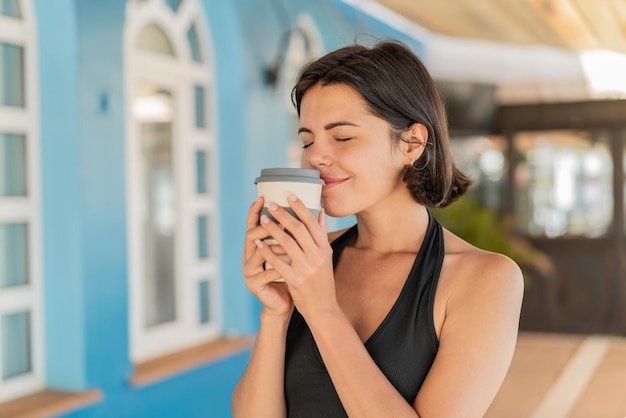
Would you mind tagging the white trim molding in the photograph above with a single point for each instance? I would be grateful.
(26, 209)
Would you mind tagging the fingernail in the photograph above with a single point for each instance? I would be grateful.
(293, 197)
(258, 243)
(264, 219)
(272, 206)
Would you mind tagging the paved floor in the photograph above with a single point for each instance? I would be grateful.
(564, 376)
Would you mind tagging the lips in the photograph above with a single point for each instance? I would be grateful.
(332, 182)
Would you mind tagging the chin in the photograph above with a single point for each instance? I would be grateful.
(336, 213)
(338, 207)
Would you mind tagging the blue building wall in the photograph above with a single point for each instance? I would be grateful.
(83, 120)
(62, 185)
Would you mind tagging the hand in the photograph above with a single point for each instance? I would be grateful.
(260, 282)
(309, 276)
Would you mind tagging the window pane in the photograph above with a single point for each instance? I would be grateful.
(563, 184)
(16, 345)
(199, 106)
(10, 8)
(159, 223)
(174, 4)
(204, 292)
(203, 251)
(153, 39)
(12, 165)
(194, 44)
(13, 255)
(153, 105)
(11, 75)
(201, 173)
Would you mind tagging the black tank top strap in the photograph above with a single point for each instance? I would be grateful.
(409, 326)
(341, 241)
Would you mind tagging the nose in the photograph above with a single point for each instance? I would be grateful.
(316, 156)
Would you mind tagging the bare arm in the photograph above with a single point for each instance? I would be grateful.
(260, 390)
(477, 338)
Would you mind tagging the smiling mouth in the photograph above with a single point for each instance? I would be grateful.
(330, 182)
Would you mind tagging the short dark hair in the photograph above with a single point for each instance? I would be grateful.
(397, 88)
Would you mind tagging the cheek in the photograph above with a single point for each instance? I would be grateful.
(304, 163)
(305, 158)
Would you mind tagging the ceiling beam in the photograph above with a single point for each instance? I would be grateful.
(570, 24)
(565, 19)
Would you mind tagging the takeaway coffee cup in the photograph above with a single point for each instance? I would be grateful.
(277, 184)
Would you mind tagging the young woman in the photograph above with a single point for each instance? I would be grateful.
(396, 316)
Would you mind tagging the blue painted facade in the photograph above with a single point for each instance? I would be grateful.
(82, 131)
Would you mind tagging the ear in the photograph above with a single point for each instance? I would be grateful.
(414, 140)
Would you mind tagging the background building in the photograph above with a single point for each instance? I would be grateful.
(130, 136)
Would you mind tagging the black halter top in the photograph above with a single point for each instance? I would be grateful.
(403, 346)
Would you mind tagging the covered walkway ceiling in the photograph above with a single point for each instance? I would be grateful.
(571, 24)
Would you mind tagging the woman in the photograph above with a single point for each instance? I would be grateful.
(396, 316)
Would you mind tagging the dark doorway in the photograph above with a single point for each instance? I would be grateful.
(564, 189)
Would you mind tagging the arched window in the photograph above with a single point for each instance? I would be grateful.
(21, 333)
(172, 185)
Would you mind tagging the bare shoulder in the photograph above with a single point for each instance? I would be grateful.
(476, 315)
(471, 270)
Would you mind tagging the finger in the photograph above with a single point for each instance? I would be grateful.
(252, 234)
(253, 264)
(275, 248)
(306, 253)
(301, 232)
(280, 233)
(278, 263)
(312, 223)
(300, 209)
(283, 217)
(278, 250)
(321, 220)
(258, 283)
(296, 240)
(253, 213)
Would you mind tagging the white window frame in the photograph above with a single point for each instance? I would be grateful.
(27, 209)
(179, 75)
(296, 58)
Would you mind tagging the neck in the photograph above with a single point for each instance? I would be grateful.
(400, 228)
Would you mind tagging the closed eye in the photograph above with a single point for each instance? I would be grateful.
(305, 146)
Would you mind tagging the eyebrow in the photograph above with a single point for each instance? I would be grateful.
(330, 126)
